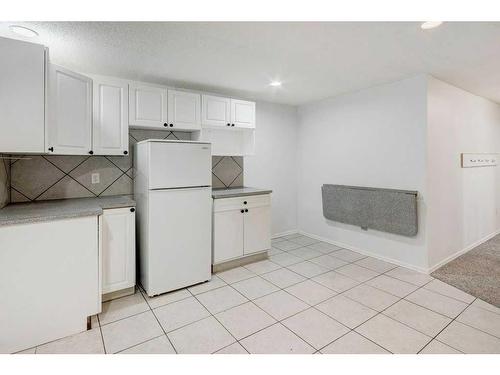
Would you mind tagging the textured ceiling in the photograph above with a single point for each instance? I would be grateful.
(314, 60)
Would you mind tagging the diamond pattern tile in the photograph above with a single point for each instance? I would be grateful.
(32, 177)
(68, 176)
(227, 170)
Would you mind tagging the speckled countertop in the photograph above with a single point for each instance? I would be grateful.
(238, 192)
(33, 212)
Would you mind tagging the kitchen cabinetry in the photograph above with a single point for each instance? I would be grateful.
(49, 109)
(216, 110)
(184, 110)
(69, 120)
(22, 97)
(110, 116)
(233, 113)
(117, 244)
(241, 227)
(242, 114)
(228, 235)
(49, 281)
(156, 107)
(147, 106)
(229, 124)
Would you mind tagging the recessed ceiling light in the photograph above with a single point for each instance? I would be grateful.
(430, 25)
(275, 83)
(24, 31)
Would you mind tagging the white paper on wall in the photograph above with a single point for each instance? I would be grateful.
(479, 160)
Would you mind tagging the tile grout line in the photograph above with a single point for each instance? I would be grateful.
(158, 321)
(255, 275)
(446, 326)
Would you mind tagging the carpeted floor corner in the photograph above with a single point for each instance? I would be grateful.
(477, 272)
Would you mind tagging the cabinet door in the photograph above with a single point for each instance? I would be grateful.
(22, 97)
(184, 110)
(118, 249)
(69, 124)
(257, 229)
(216, 111)
(147, 106)
(110, 127)
(228, 235)
(242, 113)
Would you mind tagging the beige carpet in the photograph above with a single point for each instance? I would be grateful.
(477, 272)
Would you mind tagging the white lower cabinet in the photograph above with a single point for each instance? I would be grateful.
(228, 235)
(49, 281)
(241, 227)
(117, 243)
(257, 230)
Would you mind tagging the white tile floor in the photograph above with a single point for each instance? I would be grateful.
(309, 297)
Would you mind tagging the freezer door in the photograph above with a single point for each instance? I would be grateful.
(177, 165)
(179, 238)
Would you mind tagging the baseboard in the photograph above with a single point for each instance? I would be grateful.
(286, 233)
(364, 252)
(463, 251)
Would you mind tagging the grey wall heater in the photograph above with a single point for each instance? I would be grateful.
(386, 210)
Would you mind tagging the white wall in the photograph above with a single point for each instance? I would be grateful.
(464, 203)
(275, 162)
(375, 137)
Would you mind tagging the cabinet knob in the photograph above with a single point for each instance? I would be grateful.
(171, 125)
(245, 202)
(232, 124)
(246, 209)
(228, 124)
(242, 211)
(51, 149)
(125, 152)
(132, 209)
(91, 152)
(165, 124)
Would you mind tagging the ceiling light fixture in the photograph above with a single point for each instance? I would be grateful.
(275, 83)
(430, 25)
(24, 31)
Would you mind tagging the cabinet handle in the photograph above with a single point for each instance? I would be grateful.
(245, 202)
(171, 125)
(51, 149)
(246, 209)
(165, 124)
(125, 152)
(91, 152)
(132, 209)
(242, 211)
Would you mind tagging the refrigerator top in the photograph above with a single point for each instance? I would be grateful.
(171, 141)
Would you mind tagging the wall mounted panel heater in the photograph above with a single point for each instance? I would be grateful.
(479, 160)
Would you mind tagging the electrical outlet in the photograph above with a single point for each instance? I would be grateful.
(95, 178)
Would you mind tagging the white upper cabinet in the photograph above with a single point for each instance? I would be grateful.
(69, 121)
(216, 111)
(242, 113)
(22, 97)
(232, 113)
(184, 110)
(110, 126)
(147, 106)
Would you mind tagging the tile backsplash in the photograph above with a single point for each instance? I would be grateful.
(4, 181)
(43, 177)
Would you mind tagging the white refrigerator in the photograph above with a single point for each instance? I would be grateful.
(174, 213)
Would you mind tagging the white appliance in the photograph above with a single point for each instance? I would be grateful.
(174, 204)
